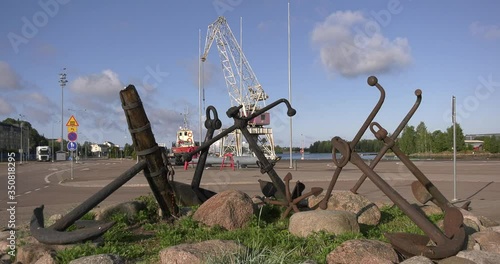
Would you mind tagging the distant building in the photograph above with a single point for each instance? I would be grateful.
(476, 136)
(99, 150)
(102, 150)
(476, 145)
(10, 137)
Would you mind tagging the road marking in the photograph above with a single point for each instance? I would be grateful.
(27, 192)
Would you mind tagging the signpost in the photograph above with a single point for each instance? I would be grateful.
(72, 126)
(72, 136)
(72, 146)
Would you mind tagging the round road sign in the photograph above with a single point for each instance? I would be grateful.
(72, 136)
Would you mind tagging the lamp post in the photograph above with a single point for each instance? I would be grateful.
(62, 83)
(21, 149)
(52, 152)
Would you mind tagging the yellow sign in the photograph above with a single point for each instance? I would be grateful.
(72, 122)
(72, 129)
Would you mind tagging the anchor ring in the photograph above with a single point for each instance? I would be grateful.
(345, 151)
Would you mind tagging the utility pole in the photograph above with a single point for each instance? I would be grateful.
(290, 85)
(62, 83)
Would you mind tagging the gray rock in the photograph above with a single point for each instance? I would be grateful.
(303, 224)
(185, 194)
(494, 228)
(199, 252)
(469, 215)
(362, 251)
(367, 212)
(455, 260)
(417, 260)
(46, 258)
(429, 210)
(30, 253)
(488, 241)
(99, 259)
(4, 246)
(230, 209)
(420, 192)
(130, 209)
(53, 218)
(480, 257)
(486, 222)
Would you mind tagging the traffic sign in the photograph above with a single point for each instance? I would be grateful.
(72, 129)
(72, 121)
(72, 136)
(71, 146)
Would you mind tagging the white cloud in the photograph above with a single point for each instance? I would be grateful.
(103, 86)
(485, 31)
(38, 98)
(5, 107)
(9, 80)
(350, 44)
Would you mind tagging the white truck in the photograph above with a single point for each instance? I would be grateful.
(43, 153)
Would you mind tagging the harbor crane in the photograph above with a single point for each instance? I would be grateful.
(243, 87)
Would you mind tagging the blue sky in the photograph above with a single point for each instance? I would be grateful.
(445, 48)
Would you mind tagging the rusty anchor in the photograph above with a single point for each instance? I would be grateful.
(241, 123)
(194, 194)
(393, 136)
(293, 197)
(152, 163)
(435, 244)
(372, 81)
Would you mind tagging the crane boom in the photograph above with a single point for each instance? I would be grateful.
(251, 96)
(244, 90)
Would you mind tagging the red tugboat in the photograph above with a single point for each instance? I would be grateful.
(184, 143)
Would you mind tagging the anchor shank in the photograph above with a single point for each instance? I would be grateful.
(146, 147)
(265, 164)
(440, 199)
(79, 211)
(418, 218)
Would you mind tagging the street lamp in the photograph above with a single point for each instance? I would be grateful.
(21, 149)
(52, 135)
(62, 83)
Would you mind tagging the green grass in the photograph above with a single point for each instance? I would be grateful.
(267, 238)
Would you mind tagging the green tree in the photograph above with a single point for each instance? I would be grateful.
(422, 138)
(439, 141)
(491, 144)
(407, 141)
(460, 138)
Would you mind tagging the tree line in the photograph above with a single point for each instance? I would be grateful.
(84, 150)
(418, 140)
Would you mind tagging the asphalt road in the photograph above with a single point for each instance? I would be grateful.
(53, 185)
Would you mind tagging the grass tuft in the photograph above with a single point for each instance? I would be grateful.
(267, 238)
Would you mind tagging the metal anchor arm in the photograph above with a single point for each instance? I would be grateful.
(346, 148)
(372, 81)
(265, 165)
(394, 136)
(211, 125)
(418, 218)
(79, 211)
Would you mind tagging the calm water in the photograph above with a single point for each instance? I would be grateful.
(321, 156)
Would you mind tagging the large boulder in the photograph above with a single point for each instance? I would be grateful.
(130, 209)
(367, 212)
(480, 257)
(417, 260)
(304, 224)
(199, 252)
(456, 260)
(230, 209)
(488, 240)
(101, 259)
(362, 251)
